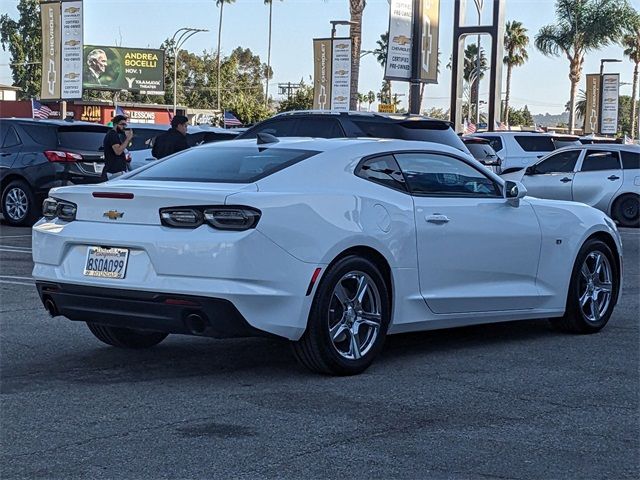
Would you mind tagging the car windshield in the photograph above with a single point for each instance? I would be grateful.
(223, 164)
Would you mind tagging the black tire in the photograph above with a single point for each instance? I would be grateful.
(626, 210)
(316, 350)
(19, 189)
(576, 318)
(125, 337)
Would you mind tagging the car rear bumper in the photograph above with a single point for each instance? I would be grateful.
(161, 312)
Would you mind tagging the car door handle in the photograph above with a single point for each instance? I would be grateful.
(613, 177)
(437, 218)
(565, 179)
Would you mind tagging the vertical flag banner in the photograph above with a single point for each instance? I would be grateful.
(398, 65)
(341, 74)
(593, 104)
(322, 58)
(430, 26)
(50, 13)
(72, 43)
(610, 94)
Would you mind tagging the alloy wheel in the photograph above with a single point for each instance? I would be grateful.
(595, 286)
(16, 204)
(355, 315)
(630, 209)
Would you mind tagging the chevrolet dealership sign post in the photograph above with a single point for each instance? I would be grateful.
(409, 61)
(331, 73)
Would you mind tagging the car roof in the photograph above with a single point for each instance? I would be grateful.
(333, 144)
(602, 146)
(190, 128)
(48, 121)
(377, 115)
(503, 133)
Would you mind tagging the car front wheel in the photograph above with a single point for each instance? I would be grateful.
(593, 290)
(348, 320)
(126, 337)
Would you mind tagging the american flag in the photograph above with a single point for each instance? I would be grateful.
(38, 110)
(230, 120)
(121, 111)
(500, 126)
(469, 127)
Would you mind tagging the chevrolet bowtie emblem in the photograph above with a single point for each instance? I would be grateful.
(113, 214)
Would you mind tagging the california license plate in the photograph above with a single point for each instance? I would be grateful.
(106, 262)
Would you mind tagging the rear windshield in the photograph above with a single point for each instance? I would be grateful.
(535, 143)
(223, 164)
(425, 131)
(72, 137)
(481, 151)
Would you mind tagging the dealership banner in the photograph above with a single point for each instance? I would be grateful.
(593, 103)
(610, 94)
(322, 73)
(117, 68)
(341, 74)
(50, 28)
(72, 42)
(400, 50)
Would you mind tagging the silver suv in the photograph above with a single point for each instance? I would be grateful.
(605, 176)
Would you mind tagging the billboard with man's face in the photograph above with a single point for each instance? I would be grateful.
(116, 68)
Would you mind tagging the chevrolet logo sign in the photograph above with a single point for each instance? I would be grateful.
(113, 214)
(72, 43)
(72, 10)
(401, 40)
(342, 46)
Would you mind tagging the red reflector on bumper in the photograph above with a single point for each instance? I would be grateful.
(314, 277)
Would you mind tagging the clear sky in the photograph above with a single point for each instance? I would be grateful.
(542, 83)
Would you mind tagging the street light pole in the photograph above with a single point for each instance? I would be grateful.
(602, 62)
(176, 44)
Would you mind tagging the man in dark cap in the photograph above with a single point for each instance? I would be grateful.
(173, 140)
(115, 146)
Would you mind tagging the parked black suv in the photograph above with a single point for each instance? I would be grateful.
(36, 155)
(328, 124)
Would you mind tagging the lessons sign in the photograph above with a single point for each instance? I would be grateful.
(116, 68)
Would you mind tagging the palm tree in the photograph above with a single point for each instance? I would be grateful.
(380, 54)
(371, 97)
(582, 26)
(470, 71)
(356, 7)
(268, 73)
(631, 42)
(581, 106)
(220, 3)
(515, 47)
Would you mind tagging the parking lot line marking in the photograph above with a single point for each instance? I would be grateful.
(10, 282)
(14, 250)
(15, 277)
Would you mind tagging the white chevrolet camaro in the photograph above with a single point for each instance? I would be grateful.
(332, 244)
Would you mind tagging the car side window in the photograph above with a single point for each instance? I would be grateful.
(630, 160)
(284, 127)
(318, 127)
(383, 170)
(595, 160)
(11, 139)
(442, 175)
(563, 162)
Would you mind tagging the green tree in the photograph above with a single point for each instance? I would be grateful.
(371, 97)
(470, 71)
(438, 113)
(301, 100)
(625, 122)
(220, 4)
(356, 8)
(23, 38)
(581, 106)
(631, 44)
(380, 54)
(516, 42)
(582, 26)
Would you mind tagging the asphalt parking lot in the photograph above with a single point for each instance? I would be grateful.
(515, 400)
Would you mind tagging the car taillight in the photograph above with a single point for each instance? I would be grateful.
(221, 217)
(232, 218)
(52, 208)
(61, 156)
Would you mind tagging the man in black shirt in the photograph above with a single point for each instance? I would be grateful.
(115, 145)
(173, 140)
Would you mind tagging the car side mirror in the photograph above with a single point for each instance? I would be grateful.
(514, 191)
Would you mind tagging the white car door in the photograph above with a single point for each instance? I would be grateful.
(476, 251)
(552, 177)
(598, 178)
